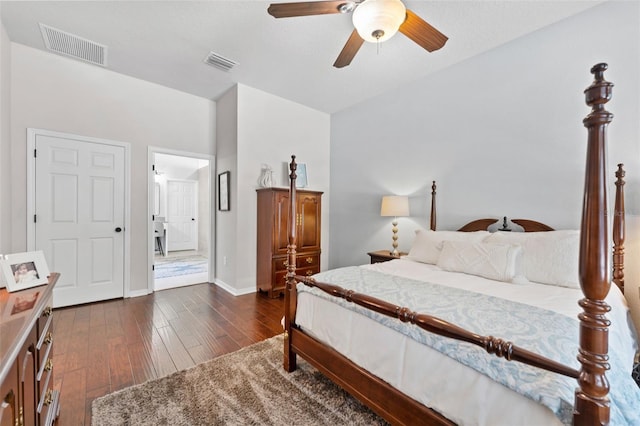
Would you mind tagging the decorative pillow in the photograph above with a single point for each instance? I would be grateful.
(427, 245)
(495, 261)
(548, 257)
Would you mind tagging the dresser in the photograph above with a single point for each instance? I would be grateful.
(27, 396)
(273, 234)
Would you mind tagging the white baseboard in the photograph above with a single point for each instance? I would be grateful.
(232, 290)
(138, 293)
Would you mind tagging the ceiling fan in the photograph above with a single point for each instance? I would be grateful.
(374, 21)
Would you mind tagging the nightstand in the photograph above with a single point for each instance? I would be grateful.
(383, 256)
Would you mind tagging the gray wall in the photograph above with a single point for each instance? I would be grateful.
(5, 141)
(501, 133)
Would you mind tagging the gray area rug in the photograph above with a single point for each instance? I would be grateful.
(246, 387)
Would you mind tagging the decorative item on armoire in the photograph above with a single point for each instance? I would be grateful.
(266, 177)
(301, 172)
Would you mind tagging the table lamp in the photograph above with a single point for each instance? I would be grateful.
(396, 206)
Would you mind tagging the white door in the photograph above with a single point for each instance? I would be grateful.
(79, 207)
(182, 211)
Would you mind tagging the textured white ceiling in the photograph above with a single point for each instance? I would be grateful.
(165, 42)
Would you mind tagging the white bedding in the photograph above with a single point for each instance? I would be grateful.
(459, 392)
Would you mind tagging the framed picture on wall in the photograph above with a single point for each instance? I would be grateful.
(223, 191)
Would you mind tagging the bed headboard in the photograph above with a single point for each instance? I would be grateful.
(529, 225)
(526, 224)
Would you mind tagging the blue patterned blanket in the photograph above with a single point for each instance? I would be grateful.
(545, 332)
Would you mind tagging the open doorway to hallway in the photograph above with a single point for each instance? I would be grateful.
(181, 225)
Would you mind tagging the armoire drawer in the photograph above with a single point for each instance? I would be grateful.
(280, 280)
(302, 261)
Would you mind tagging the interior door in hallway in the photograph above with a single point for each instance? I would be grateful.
(182, 215)
(79, 207)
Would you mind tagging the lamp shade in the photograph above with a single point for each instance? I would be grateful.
(394, 205)
(379, 20)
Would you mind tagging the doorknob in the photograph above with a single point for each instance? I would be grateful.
(118, 229)
(193, 218)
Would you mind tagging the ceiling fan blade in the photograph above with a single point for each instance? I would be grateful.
(305, 8)
(422, 33)
(349, 50)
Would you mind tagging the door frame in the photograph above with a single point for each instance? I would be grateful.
(152, 151)
(32, 133)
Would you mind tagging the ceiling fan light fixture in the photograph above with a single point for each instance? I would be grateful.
(378, 20)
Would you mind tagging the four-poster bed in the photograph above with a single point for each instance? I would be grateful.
(383, 378)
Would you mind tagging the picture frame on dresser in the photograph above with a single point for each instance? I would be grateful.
(21, 271)
(223, 191)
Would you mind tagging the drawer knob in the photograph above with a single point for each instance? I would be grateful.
(47, 311)
(286, 263)
(48, 399)
(49, 338)
(309, 260)
(309, 273)
(49, 365)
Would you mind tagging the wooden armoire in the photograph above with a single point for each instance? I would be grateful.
(273, 220)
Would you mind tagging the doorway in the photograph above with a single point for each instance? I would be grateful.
(181, 220)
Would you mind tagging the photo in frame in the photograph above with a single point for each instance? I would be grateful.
(24, 270)
(223, 191)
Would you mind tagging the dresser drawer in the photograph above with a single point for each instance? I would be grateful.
(48, 406)
(302, 261)
(47, 398)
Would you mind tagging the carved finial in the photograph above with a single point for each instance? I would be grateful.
(293, 166)
(599, 93)
(598, 71)
(620, 174)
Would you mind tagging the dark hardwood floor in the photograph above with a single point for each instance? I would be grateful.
(103, 347)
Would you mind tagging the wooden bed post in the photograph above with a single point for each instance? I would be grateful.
(618, 231)
(591, 401)
(433, 206)
(290, 293)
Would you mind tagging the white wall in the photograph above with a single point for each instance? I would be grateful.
(55, 93)
(501, 132)
(204, 216)
(5, 141)
(227, 160)
(269, 130)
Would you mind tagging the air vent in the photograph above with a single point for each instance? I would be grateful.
(71, 45)
(219, 62)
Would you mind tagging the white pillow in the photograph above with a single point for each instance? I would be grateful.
(500, 262)
(548, 257)
(427, 245)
